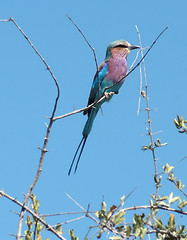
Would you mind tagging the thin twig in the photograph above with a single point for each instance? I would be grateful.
(137, 54)
(93, 235)
(60, 214)
(80, 110)
(43, 149)
(139, 100)
(87, 214)
(176, 185)
(149, 118)
(15, 212)
(68, 221)
(5, 20)
(89, 231)
(153, 207)
(93, 50)
(14, 235)
(182, 159)
(50, 228)
(76, 202)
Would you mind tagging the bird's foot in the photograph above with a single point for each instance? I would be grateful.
(109, 94)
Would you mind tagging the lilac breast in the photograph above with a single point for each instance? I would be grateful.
(117, 68)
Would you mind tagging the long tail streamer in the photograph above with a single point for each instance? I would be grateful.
(82, 142)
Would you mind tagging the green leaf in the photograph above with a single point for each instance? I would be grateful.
(167, 168)
(137, 232)
(118, 218)
(37, 204)
(122, 200)
(101, 215)
(104, 206)
(159, 223)
(59, 229)
(176, 122)
(29, 222)
(157, 180)
(163, 204)
(179, 184)
(170, 197)
(128, 230)
(182, 204)
(99, 234)
(120, 228)
(181, 229)
(72, 235)
(39, 238)
(144, 148)
(39, 228)
(28, 235)
(163, 198)
(143, 233)
(171, 221)
(171, 176)
(97, 214)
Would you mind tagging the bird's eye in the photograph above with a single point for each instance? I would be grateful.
(121, 46)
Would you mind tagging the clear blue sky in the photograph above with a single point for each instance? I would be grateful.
(112, 163)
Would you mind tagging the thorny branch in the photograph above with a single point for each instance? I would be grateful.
(48, 227)
(43, 149)
(149, 118)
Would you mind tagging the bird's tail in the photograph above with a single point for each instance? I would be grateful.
(85, 133)
(83, 140)
(89, 123)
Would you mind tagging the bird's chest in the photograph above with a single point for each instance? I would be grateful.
(117, 69)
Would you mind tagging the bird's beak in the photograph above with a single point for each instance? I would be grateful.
(131, 47)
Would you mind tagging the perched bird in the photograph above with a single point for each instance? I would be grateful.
(111, 75)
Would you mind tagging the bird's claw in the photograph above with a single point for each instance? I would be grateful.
(108, 94)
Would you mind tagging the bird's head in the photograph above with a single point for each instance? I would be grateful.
(120, 46)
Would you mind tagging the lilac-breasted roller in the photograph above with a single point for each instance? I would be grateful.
(111, 75)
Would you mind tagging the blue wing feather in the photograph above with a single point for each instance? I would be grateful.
(101, 75)
(103, 69)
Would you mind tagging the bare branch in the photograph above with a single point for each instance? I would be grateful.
(80, 110)
(93, 50)
(5, 20)
(148, 110)
(43, 149)
(140, 93)
(152, 207)
(48, 227)
(60, 214)
(68, 221)
(87, 213)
